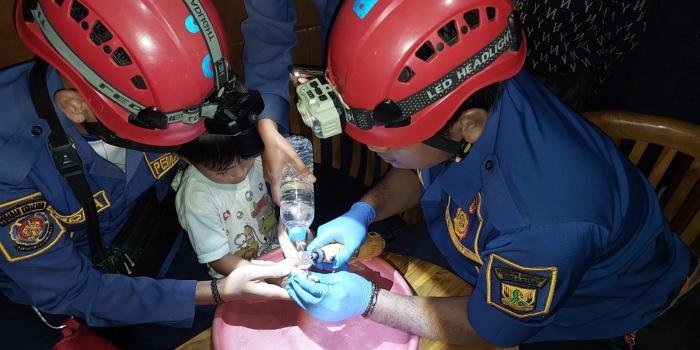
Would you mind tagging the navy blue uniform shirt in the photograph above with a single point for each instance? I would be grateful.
(560, 234)
(269, 38)
(44, 250)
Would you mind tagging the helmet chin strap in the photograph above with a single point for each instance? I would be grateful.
(439, 141)
(97, 129)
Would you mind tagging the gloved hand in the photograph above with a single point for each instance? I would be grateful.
(334, 297)
(350, 229)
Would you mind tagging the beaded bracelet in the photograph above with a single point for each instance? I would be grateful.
(372, 301)
(215, 291)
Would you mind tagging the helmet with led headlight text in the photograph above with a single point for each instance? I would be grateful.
(149, 70)
(402, 68)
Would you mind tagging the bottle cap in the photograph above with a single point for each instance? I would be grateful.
(318, 255)
(296, 233)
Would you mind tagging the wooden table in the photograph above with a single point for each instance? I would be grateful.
(424, 278)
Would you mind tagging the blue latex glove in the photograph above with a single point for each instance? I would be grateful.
(350, 229)
(335, 297)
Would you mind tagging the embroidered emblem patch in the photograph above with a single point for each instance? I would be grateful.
(461, 224)
(517, 298)
(518, 290)
(161, 165)
(21, 207)
(465, 227)
(31, 232)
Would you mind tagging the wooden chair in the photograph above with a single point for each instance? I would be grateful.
(667, 151)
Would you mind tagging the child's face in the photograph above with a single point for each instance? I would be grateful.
(234, 174)
(417, 156)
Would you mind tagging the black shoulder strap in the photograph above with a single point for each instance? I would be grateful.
(64, 154)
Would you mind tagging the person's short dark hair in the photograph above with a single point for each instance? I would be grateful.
(485, 98)
(214, 152)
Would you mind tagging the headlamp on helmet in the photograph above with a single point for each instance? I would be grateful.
(236, 113)
(324, 110)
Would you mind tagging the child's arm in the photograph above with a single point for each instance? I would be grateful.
(227, 263)
(230, 262)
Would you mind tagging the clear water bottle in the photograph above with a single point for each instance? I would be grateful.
(297, 195)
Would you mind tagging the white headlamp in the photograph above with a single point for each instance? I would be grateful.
(321, 108)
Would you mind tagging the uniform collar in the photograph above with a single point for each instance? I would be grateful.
(463, 180)
(25, 135)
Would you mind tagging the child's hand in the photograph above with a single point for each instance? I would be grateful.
(250, 280)
(296, 265)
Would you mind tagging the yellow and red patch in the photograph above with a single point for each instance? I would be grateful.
(31, 226)
(31, 232)
(465, 227)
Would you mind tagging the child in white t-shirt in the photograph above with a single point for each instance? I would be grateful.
(223, 204)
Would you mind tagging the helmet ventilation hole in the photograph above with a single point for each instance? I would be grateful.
(491, 13)
(426, 51)
(100, 34)
(59, 2)
(138, 82)
(78, 12)
(472, 18)
(406, 74)
(121, 58)
(448, 33)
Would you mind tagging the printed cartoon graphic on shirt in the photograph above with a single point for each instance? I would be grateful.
(267, 222)
(518, 290)
(247, 243)
(465, 227)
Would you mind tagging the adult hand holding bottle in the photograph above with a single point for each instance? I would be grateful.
(277, 155)
(349, 229)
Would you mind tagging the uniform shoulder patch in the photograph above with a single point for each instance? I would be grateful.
(517, 290)
(21, 207)
(162, 164)
(31, 235)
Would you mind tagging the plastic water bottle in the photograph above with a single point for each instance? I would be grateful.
(297, 196)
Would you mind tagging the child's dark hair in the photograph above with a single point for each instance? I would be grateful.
(214, 152)
(485, 98)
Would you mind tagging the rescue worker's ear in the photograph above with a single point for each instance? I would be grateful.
(471, 124)
(72, 105)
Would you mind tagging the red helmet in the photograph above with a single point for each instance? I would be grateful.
(145, 67)
(404, 67)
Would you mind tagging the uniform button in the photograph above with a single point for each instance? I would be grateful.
(488, 165)
(36, 130)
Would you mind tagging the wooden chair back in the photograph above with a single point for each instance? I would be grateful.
(667, 151)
